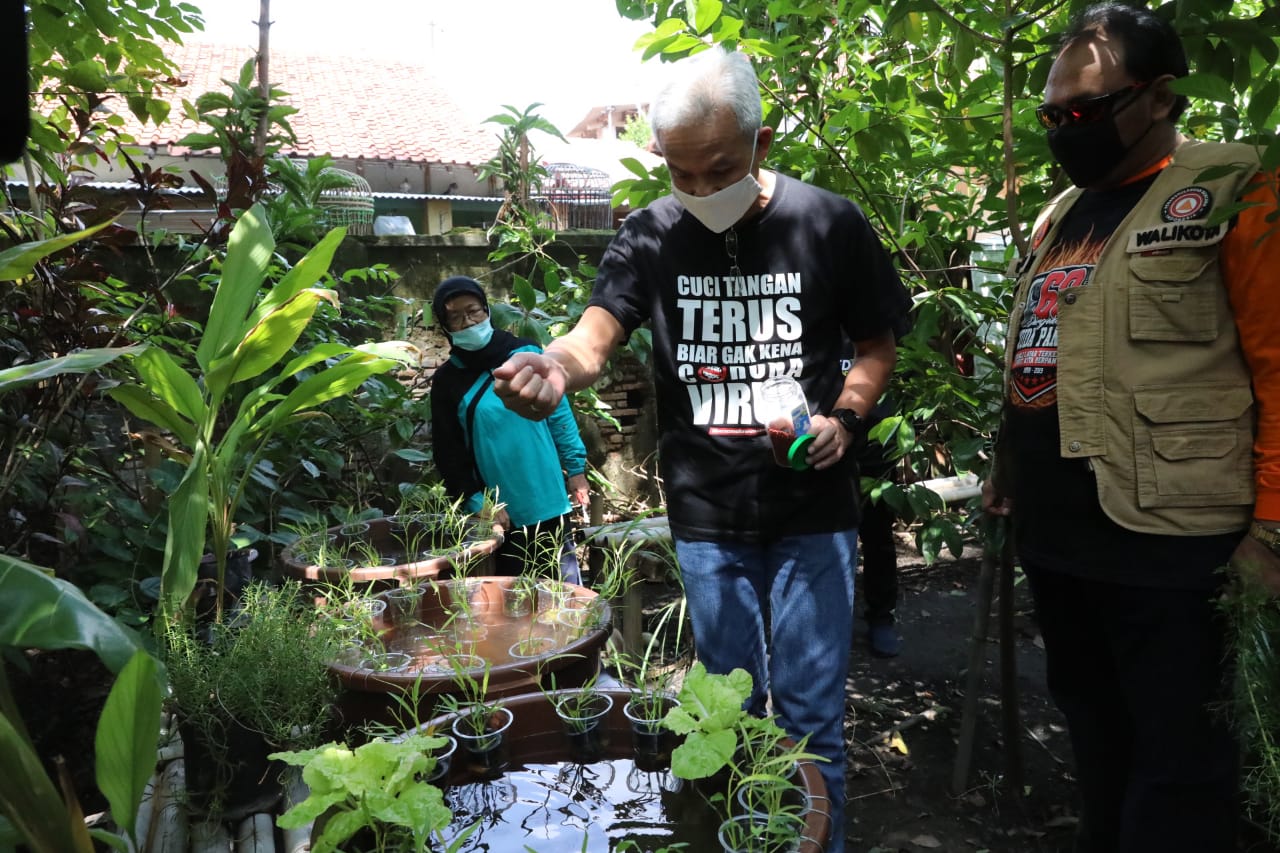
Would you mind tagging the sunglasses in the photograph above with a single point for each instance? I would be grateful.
(1084, 110)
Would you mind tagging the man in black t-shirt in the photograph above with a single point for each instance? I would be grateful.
(745, 275)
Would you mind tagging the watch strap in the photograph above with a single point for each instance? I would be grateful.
(849, 419)
(1268, 537)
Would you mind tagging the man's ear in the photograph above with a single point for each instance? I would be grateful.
(764, 139)
(1162, 97)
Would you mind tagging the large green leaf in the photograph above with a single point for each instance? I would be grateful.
(248, 255)
(18, 261)
(125, 743)
(336, 381)
(44, 612)
(144, 405)
(162, 376)
(304, 274)
(276, 333)
(28, 798)
(78, 362)
(184, 545)
(1208, 87)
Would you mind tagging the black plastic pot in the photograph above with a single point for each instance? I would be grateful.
(233, 778)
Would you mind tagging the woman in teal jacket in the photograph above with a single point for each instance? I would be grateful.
(481, 445)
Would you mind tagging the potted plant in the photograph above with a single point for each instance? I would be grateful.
(247, 686)
(218, 414)
(380, 789)
(479, 722)
(758, 759)
(581, 711)
(429, 537)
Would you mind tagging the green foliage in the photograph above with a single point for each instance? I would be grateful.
(1255, 628)
(85, 57)
(42, 612)
(709, 715)
(221, 417)
(549, 295)
(125, 742)
(720, 734)
(234, 673)
(637, 131)
(378, 786)
(233, 116)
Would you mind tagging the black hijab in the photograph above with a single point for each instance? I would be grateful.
(492, 354)
(451, 446)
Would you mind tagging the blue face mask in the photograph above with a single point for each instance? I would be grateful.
(475, 337)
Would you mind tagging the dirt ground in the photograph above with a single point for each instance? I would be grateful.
(900, 787)
(903, 722)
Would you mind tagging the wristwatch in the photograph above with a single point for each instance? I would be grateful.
(1268, 537)
(850, 420)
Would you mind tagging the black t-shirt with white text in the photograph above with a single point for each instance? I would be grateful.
(809, 271)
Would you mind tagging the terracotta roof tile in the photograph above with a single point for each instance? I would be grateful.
(348, 107)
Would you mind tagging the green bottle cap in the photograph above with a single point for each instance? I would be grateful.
(799, 450)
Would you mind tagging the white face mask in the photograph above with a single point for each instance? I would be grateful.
(721, 210)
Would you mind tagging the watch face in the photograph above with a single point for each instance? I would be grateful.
(848, 418)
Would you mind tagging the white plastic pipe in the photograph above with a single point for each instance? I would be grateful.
(169, 832)
(295, 791)
(210, 836)
(255, 834)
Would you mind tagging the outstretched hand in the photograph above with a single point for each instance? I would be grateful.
(530, 384)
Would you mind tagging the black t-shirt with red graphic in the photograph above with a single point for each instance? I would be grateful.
(809, 272)
(1058, 520)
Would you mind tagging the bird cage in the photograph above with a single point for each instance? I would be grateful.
(346, 200)
(575, 197)
(350, 204)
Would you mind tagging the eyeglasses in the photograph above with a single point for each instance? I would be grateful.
(471, 315)
(1085, 110)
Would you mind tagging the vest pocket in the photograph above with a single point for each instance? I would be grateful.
(1174, 297)
(1193, 446)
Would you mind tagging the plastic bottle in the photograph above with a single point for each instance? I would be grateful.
(786, 416)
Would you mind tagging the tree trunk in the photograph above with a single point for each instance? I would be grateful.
(264, 79)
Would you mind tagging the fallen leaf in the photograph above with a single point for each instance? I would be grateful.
(896, 742)
(926, 841)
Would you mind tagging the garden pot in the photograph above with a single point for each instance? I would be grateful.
(354, 555)
(235, 777)
(652, 740)
(483, 750)
(536, 737)
(754, 833)
(456, 620)
(239, 573)
(582, 713)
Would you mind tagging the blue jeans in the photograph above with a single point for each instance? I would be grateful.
(807, 583)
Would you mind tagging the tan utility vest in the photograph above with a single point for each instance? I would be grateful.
(1153, 391)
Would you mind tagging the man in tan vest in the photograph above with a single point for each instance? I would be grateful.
(1140, 451)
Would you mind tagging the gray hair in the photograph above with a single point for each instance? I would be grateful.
(700, 83)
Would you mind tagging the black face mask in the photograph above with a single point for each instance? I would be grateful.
(1087, 152)
(1090, 152)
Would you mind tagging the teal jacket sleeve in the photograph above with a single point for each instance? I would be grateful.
(564, 432)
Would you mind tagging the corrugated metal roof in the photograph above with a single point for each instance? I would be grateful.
(118, 186)
(495, 200)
